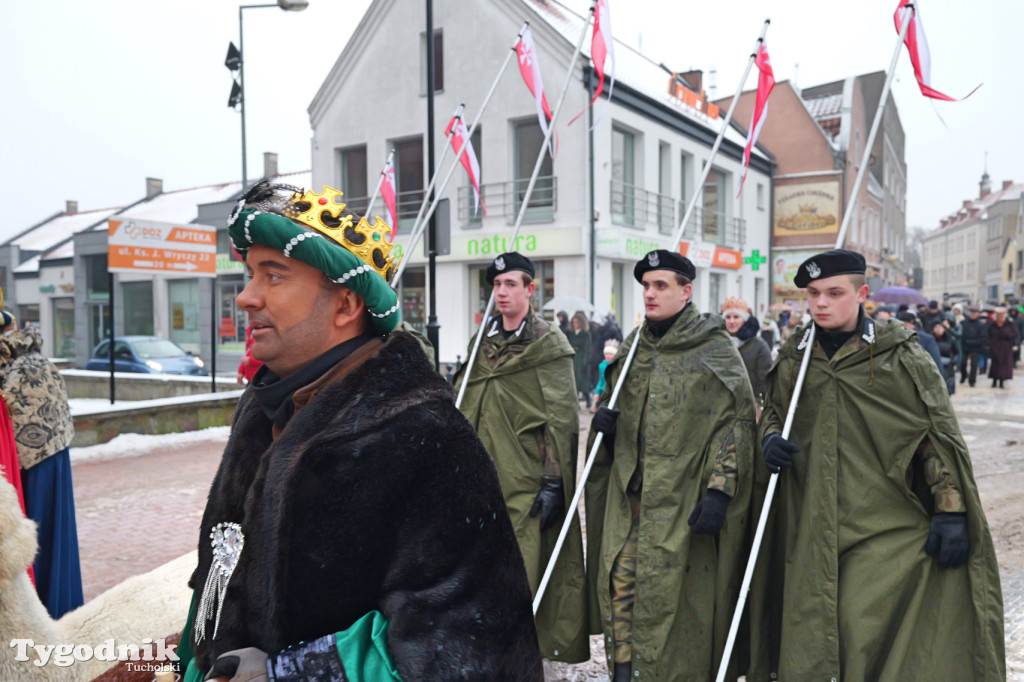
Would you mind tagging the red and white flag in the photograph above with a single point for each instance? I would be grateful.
(601, 48)
(765, 83)
(530, 69)
(387, 192)
(917, 46)
(457, 133)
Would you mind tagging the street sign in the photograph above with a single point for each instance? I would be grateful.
(161, 248)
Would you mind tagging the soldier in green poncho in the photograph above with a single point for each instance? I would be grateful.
(521, 399)
(668, 499)
(877, 561)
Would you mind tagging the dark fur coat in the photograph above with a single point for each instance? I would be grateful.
(377, 495)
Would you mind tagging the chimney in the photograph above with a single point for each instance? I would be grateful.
(269, 164)
(71, 207)
(1007, 184)
(154, 186)
(967, 203)
(694, 78)
(943, 222)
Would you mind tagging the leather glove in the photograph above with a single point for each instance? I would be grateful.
(604, 421)
(949, 538)
(709, 514)
(778, 452)
(240, 665)
(550, 502)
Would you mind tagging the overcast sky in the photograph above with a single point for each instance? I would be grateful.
(99, 95)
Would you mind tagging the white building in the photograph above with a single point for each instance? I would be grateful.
(641, 162)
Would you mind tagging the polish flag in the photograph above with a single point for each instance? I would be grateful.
(530, 69)
(601, 48)
(917, 46)
(387, 191)
(457, 133)
(765, 83)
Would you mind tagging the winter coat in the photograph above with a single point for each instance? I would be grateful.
(1001, 340)
(927, 342)
(36, 397)
(687, 417)
(843, 587)
(974, 336)
(376, 495)
(580, 343)
(756, 354)
(949, 351)
(521, 399)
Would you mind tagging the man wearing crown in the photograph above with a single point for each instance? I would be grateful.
(668, 498)
(521, 399)
(355, 529)
(877, 563)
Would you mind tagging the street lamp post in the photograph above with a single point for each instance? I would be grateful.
(235, 62)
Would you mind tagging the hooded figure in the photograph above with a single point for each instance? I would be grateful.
(877, 562)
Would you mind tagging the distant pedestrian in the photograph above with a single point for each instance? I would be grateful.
(43, 428)
(974, 341)
(609, 352)
(743, 328)
(610, 330)
(926, 340)
(580, 340)
(1018, 321)
(563, 321)
(1002, 342)
(949, 352)
(770, 332)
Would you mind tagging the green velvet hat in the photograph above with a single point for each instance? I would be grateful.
(317, 230)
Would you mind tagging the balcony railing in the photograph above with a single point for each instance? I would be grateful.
(406, 203)
(717, 227)
(506, 198)
(636, 207)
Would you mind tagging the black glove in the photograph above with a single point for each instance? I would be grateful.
(604, 421)
(709, 514)
(778, 452)
(240, 665)
(550, 502)
(948, 537)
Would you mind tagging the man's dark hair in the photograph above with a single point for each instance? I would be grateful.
(681, 279)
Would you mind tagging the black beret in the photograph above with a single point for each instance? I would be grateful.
(933, 304)
(662, 259)
(829, 264)
(906, 316)
(508, 262)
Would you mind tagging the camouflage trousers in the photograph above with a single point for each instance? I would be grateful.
(623, 586)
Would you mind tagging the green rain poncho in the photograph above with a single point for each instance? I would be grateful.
(844, 589)
(521, 399)
(687, 409)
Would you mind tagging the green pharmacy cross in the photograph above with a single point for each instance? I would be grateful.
(755, 259)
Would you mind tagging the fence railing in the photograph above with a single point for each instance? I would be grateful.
(506, 198)
(637, 207)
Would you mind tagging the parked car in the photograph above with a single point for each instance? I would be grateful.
(146, 354)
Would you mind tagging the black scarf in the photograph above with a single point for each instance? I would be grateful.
(833, 341)
(659, 327)
(274, 394)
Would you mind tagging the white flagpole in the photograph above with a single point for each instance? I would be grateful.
(421, 220)
(380, 181)
(526, 200)
(808, 343)
(636, 337)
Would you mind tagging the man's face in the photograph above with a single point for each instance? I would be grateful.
(733, 322)
(973, 314)
(664, 296)
(289, 308)
(883, 315)
(511, 296)
(835, 302)
(1000, 317)
(938, 330)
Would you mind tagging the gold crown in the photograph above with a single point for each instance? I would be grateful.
(369, 244)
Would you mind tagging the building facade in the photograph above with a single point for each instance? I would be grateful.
(817, 137)
(608, 197)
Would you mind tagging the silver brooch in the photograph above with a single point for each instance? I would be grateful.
(227, 541)
(813, 270)
(499, 263)
(652, 259)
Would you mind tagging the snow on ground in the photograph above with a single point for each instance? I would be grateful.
(136, 444)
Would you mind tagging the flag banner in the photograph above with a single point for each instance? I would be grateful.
(917, 46)
(458, 134)
(387, 191)
(765, 83)
(602, 47)
(530, 70)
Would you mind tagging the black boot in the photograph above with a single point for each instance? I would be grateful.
(994, 383)
(622, 672)
(1001, 384)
